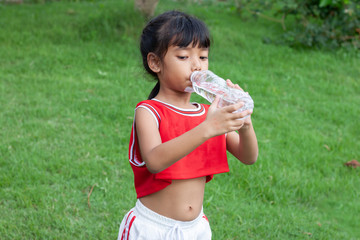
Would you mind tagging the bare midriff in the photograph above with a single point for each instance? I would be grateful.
(182, 200)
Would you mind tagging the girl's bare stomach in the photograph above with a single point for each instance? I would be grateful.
(182, 200)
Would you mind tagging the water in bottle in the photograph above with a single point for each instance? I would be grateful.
(208, 85)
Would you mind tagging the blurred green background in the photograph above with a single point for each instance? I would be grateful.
(71, 75)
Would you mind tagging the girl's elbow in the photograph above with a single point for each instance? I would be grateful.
(153, 168)
(250, 160)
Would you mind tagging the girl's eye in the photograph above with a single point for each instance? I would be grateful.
(203, 58)
(182, 57)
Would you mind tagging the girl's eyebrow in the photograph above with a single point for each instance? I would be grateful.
(188, 48)
(182, 48)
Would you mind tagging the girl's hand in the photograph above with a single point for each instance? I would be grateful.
(230, 84)
(247, 121)
(223, 120)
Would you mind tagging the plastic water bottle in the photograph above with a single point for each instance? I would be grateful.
(208, 85)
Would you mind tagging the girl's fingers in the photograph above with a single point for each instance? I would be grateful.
(240, 115)
(237, 86)
(230, 84)
(215, 103)
(232, 108)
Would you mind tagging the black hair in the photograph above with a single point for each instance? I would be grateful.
(171, 28)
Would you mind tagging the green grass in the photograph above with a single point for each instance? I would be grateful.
(70, 76)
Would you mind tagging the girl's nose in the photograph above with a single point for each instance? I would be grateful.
(196, 66)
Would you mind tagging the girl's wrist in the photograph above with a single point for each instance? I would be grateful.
(205, 130)
(246, 127)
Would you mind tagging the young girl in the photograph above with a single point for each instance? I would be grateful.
(176, 146)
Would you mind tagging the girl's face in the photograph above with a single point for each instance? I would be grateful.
(178, 64)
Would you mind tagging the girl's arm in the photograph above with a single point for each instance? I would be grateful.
(243, 145)
(159, 156)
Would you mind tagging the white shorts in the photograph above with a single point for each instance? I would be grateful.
(141, 223)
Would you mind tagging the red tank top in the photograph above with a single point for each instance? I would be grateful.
(207, 159)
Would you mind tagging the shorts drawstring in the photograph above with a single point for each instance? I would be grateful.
(175, 233)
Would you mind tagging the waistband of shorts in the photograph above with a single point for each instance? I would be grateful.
(152, 216)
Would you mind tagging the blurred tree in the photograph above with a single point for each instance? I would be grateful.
(147, 7)
(12, 1)
(315, 23)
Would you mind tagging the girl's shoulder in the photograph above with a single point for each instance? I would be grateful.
(144, 102)
(153, 104)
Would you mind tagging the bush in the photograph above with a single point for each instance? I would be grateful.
(316, 23)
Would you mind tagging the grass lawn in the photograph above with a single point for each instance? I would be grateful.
(70, 77)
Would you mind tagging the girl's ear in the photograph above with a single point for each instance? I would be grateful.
(154, 62)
